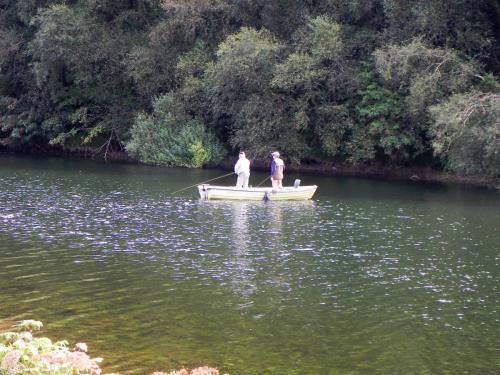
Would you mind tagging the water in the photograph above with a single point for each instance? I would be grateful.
(370, 277)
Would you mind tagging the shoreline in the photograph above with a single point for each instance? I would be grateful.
(387, 173)
(325, 168)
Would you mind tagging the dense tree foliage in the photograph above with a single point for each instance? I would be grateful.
(180, 82)
(467, 133)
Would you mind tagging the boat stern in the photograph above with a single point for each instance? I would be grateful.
(203, 190)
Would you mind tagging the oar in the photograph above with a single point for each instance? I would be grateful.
(264, 180)
(199, 183)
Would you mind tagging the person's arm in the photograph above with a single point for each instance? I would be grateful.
(273, 168)
(237, 167)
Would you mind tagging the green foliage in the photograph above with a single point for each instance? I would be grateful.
(258, 74)
(315, 82)
(281, 17)
(21, 353)
(393, 105)
(459, 24)
(193, 63)
(333, 129)
(62, 31)
(263, 125)
(360, 21)
(190, 72)
(322, 39)
(29, 325)
(152, 65)
(244, 66)
(242, 70)
(77, 69)
(489, 83)
(441, 71)
(381, 114)
(297, 75)
(466, 133)
(169, 137)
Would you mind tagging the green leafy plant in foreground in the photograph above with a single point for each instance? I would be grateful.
(21, 353)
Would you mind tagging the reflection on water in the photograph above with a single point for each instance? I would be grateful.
(242, 272)
(368, 278)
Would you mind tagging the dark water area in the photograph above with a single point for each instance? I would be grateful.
(370, 277)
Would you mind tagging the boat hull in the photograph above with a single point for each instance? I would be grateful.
(212, 192)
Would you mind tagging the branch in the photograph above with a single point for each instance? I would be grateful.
(108, 144)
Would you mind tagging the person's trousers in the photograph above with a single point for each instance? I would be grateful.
(242, 181)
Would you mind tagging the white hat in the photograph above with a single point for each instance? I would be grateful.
(275, 153)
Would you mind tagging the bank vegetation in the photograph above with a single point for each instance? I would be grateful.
(375, 83)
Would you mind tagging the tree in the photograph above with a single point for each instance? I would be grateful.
(184, 23)
(343, 80)
(280, 17)
(383, 126)
(394, 100)
(315, 80)
(190, 72)
(77, 65)
(466, 134)
(237, 81)
(459, 24)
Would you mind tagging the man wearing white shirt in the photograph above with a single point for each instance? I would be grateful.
(242, 169)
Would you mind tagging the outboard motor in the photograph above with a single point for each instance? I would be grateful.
(296, 183)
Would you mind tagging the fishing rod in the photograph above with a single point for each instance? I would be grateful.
(203, 182)
(264, 180)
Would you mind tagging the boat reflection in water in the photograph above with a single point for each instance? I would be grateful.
(260, 247)
(241, 270)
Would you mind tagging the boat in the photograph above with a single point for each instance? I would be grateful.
(256, 193)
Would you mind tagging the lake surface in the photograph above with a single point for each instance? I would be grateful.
(371, 277)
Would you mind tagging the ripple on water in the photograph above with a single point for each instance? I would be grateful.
(321, 282)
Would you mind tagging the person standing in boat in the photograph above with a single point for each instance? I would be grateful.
(242, 169)
(277, 168)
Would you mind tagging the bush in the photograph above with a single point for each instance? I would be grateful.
(169, 137)
(467, 134)
(21, 353)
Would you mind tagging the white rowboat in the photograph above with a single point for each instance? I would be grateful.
(256, 194)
